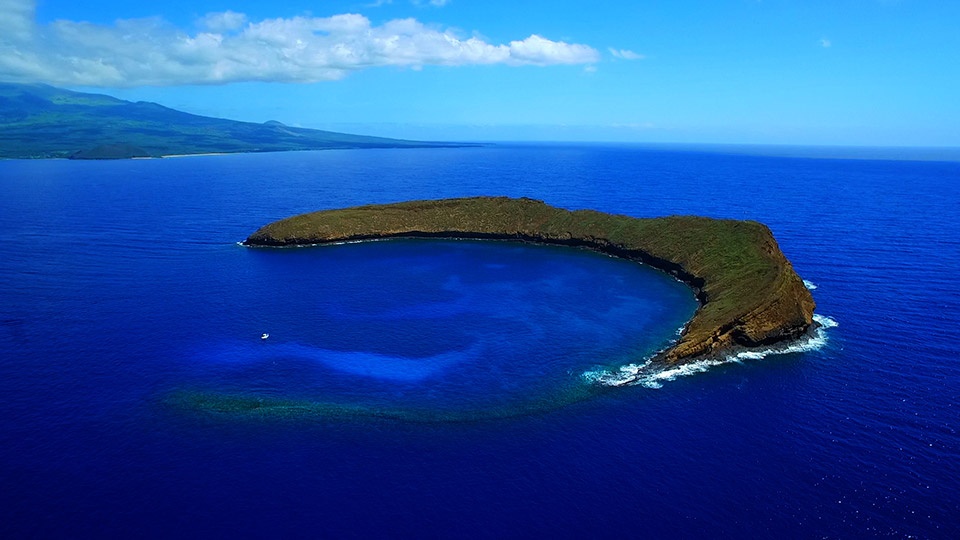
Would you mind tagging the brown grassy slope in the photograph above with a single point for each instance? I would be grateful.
(749, 293)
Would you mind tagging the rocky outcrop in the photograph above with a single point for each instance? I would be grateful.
(749, 294)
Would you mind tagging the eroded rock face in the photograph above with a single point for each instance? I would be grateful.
(749, 294)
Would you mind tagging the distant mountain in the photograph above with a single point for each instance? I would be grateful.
(40, 121)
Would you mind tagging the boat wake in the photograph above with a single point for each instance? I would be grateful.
(653, 375)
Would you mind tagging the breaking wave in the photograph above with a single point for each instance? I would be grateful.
(653, 375)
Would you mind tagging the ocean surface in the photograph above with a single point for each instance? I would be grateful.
(438, 389)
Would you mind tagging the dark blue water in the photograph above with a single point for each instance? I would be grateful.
(123, 290)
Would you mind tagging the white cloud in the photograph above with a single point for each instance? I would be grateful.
(223, 22)
(541, 51)
(625, 54)
(825, 43)
(230, 48)
(16, 18)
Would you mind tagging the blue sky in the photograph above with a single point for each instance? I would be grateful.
(842, 72)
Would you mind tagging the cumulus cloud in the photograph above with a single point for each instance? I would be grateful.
(223, 22)
(624, 54)
(228, 47)
(542, 51)
(16, 18)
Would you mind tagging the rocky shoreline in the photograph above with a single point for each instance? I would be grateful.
(750, 297)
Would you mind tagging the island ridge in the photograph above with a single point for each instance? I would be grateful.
(749, 294)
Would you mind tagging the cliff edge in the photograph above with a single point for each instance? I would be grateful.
(749, 294)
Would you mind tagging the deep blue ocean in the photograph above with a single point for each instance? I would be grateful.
(443, 389)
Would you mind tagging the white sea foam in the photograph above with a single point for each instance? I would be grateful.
(651, 375)
(809, 285)
(825, 321)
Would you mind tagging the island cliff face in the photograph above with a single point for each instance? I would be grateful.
(749, 294)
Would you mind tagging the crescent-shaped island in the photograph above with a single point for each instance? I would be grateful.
(749, 294)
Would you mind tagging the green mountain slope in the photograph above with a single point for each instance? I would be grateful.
(40, 121)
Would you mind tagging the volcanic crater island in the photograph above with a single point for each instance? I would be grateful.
(749, 294)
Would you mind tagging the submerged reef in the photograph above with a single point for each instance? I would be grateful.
(750, 296)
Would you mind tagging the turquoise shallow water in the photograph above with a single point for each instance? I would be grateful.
(125, 296)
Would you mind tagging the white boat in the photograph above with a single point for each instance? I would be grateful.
(264, 336)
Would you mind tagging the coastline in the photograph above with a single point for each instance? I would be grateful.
(198, 155)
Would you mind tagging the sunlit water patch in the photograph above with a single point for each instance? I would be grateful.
(449, 329)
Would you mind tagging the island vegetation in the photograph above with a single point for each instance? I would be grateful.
(112, 151)
(749, 294)
(41, 121)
